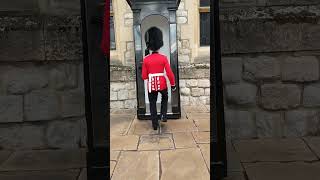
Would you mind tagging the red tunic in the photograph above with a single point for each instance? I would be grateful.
(154, 64)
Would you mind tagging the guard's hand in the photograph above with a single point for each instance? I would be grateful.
(173, 88)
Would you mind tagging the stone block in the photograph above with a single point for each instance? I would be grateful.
(185, 91)
(261, 68)
(23, 80)
(300, 69)
(116, 104)
(301, 123)
(241, 94)
(240, 125)
(269, 124)
(184, 59)
(182, 83)
(123, 95)
(11, 109)
(182, 20)
(128, 22)
(117, 86)
(63, 38)
(185, 100)
(311, 96)
(63, 134)
(207, 91)
(19, 5)
(128, 15)
(182, 13)
(204, 83)
(201, 71)
(196, 92)
(21, 137)
(191, 83)
(72, 103)
(60, 7)
(130, 104)
(64, 76)
(113, 96)
(156, 142)
(205, 99)
(280, 96)
(185, 44)
(231, 69)
(132, 94)
(41, 105)
(28, 44)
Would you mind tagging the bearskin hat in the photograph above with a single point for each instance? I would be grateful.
(154, 39)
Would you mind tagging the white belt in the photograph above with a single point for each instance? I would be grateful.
(157, 75)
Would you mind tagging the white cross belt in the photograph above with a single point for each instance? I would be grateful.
(154, 81)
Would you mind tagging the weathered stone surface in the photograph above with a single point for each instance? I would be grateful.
(178, 126)
(269, 124)
(64, 76)
(261, 68)
(183, 140)
(185, 91)
(300, 69)
(204, 83)
(194, 109)
(205, 150)
(63, 134)
(197, 92)
(119, 124)
(16, 137)
(63, 42)
(17, 5)
(39, 175)
(11, 109)
(311, 96)
(72, 103)
(182, 20)
(233, 160)
(231, 69)
(240, 124)
(314, 144)
(112, 167)
(117, 86)
(113, 96)
(45, 160)
(280, 171)
(241, 94)
(139, 127)
(191, 83)
(202, 124)
(123, 94)
(132, 165)
(114, 155)
(156, 142)
(190, 160)
(301, 123)
(41, 105)
(124, 143)
(277, 150)
(201, 137)
(194, 71)
(130, 104)
(280, 96)
(182, 83)
(116, 104)
(29, 44)
(60, 8)
(23, 80)
(4, 155)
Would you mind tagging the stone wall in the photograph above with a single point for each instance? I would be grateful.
(41, 80)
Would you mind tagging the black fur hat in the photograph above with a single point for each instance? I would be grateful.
(154, 39)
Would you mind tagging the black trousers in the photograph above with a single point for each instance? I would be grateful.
(153, 96)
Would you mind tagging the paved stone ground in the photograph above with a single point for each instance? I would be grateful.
(181, 151)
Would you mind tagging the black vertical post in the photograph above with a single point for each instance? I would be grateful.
(218, 157)
(96, 76)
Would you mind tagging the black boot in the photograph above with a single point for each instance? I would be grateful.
(163, 119)
(155, 125)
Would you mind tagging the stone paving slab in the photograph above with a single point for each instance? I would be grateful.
(314, 144)
(124, 143)
(45, 160)
(156, 142)
(273, 150)
(123, 111)
(178, 126)
(235, 176)
(184, 140)
(201, 137)
(119, 124)
(4, 155)
(205, 149)
(40, 175)
(137, 166)
(199, 116)
(112, 167)
(183, 164)
(141, 127)
(202, 125)
(283, 171)
(114, 155)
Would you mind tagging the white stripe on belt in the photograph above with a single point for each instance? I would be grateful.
(151, 77)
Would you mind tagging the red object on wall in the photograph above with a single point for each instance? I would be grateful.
(105, 42)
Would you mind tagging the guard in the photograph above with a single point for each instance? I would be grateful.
(153, 70)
